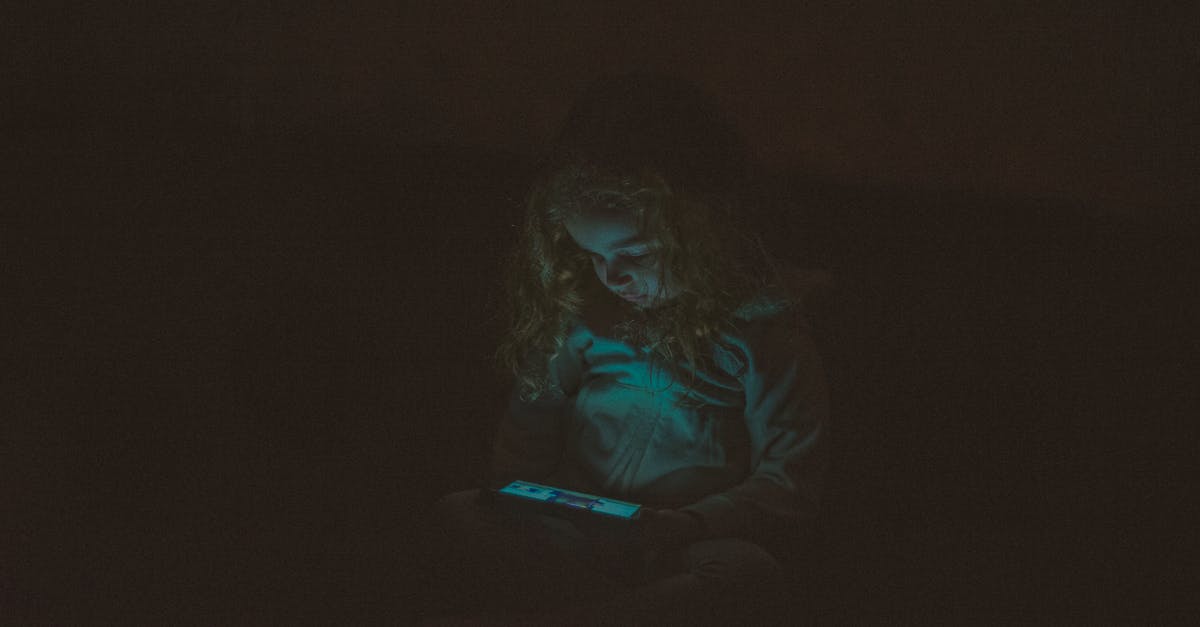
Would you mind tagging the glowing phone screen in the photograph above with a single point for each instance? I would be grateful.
(569, 498)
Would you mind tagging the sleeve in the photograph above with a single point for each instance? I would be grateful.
(786, 412)
(529, 439)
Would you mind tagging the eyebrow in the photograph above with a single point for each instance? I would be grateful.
(628, 242)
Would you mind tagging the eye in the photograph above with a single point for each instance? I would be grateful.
(640, 257)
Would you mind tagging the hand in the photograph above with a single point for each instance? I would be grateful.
(667, 529)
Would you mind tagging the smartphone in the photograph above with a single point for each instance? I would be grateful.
(563, 500)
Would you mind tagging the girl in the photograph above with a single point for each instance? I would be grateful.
(658, 357)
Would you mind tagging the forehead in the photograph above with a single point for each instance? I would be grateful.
(604, 230)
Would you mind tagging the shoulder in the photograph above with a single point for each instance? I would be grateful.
(796, 287)
(770, 333)
(780, 309)
(771, 328)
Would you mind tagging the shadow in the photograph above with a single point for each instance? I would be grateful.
(285, 357)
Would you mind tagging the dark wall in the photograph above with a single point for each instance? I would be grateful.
(251, 251)
(1088, 102)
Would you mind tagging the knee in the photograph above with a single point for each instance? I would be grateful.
(455, 512)
(455, 503)
(733, 562)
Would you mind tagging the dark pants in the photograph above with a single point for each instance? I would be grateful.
(488, 560)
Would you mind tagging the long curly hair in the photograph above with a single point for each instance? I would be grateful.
(660, 149)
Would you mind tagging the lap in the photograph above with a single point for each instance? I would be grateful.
(489, 558)
(730, 561)
(468, 518)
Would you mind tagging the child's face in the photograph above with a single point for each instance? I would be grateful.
(625, 259)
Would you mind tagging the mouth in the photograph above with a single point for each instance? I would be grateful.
(631, 298)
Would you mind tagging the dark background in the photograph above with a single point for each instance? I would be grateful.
(248, 251)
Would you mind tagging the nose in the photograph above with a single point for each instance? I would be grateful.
(615, 276)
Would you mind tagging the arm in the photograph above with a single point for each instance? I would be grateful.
(529, 438)
(786, 411)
